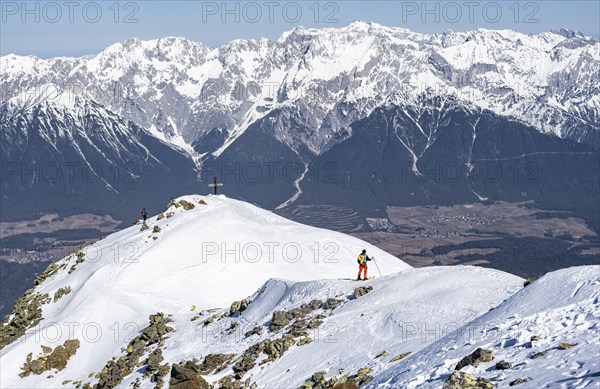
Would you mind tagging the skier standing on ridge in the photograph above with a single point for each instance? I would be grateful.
(363, 258)
(144, 215)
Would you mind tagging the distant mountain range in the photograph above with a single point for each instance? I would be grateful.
(364, 114)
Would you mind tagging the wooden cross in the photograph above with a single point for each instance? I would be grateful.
(215, 185)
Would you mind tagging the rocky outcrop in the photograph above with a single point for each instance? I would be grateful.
(61, 292)
(518, 381)
(462, 380)
(51, 270)
(475, 358)
(538, 354)
(503, 365)
(301, 327)
(186, 375)
(254, 331)
(346, 385)
(318, 380)
(185, 205)
(244, 363)
(332, 303)
(116, 370)
(155, 370)
(214, 363)
(50, 359)
(237, 307)
(79, 258)
(272, 348)
(564, 345)
(399, 357)
(26, 313)
(361, 291)
(280, 319)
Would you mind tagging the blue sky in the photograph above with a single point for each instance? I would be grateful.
(75, 28)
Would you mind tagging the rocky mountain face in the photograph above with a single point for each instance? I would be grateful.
(263, 115)
(83, 159)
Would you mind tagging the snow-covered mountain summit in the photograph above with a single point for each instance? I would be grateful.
(325, 79)
(193, 111)
(216, 291)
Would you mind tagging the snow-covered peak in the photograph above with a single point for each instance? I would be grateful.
(300, 303)
(226, 242)
(329, 77)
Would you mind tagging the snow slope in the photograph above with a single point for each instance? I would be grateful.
(562, 306)
(129, 275)
(404, 313)
(438, 314)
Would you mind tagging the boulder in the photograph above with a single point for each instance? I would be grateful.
(110, 376)
(518, 381)
(362, 376)
(274, 348)
(154, 360)
(185, 204)
(462, 380)
(539, 354)
(244, 364)
(503, 365)
(50, 359)
(400, 356)
(346, 385)
(187, 376)
(279, 320)
(254, 331)
(382, 354)
(564, 346)
(215, 362)
(61, 292)
(303, 341)
(361, 291)
(475, 358)
(331, 303)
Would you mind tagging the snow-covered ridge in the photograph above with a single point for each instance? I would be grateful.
(525, 330)
(206, 252)
(329, 77)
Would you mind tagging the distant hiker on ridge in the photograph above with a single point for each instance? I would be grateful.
(144, 215)
(363, 258)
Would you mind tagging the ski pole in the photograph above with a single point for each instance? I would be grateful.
(380, 275)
